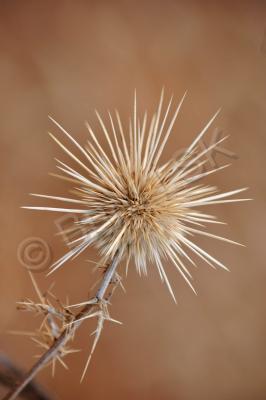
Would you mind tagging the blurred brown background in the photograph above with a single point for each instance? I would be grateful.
(66, 58)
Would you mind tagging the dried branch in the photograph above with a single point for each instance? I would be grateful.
(68, 332)
(10, 374)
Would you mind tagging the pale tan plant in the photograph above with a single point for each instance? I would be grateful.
(134, 209)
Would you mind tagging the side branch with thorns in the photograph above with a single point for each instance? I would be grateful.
(59, 338)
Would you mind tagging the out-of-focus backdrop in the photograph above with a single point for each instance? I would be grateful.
(67, 58)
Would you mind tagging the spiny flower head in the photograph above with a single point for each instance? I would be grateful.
(131, 203)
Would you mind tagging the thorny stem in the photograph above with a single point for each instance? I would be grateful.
(67, 333)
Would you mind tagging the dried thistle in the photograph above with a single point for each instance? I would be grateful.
(131, 203)
(132, 208)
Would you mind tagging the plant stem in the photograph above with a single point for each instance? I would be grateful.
(67, 333)
(10, 374)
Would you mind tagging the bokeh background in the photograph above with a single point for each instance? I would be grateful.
(66, 58)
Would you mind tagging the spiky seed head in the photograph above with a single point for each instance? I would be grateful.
(131, 203)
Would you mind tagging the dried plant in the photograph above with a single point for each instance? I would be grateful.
(134, 210)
